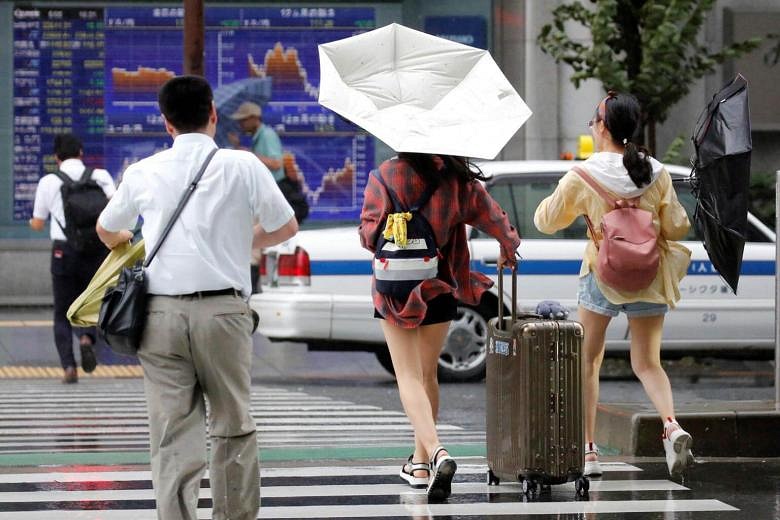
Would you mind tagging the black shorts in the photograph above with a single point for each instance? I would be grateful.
(442, 308)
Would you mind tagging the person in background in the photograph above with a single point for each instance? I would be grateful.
(265, 145)
(197, 343)
(292, 189)
(265, 142)
(626, 171)
(72, 265)
(415, 329)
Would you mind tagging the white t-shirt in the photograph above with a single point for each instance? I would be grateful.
(209, 246)
(48, 199)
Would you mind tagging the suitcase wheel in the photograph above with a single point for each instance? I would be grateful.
(528, 485)
(492, 479)
(582, 485)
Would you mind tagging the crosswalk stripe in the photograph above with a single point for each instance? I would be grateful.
(294, 435)
(330, 491)
(113, 412)
(293, 400)
(113, 446)
(406, 510)
(485, 509)
(109, 418)
(300, 471)
(142, 408)
(333, 492)
(261, 428)
(346, 420)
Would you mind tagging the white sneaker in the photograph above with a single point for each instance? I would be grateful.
(592, 467)
(677, 446)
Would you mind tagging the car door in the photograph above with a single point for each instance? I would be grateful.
(708, 313)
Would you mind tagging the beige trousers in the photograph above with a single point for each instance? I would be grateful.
(193, 348)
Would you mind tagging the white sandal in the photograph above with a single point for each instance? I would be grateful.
(592, 467)
(677, 446)
(410, 478)
(442, 471)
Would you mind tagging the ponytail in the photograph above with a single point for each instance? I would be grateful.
(621, 114)
(637, 162)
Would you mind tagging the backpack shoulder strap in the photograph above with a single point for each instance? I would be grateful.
(595, 185)
(87, 174)
(63, 177)
(425, 197)
(397, 206)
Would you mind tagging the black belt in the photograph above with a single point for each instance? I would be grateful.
(203, 294)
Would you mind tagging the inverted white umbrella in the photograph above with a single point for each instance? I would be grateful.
(421, 93)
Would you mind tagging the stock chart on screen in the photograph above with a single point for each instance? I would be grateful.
(96, 73)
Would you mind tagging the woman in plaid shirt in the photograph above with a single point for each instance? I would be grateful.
(415, 329)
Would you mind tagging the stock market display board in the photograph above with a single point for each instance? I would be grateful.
(96, 72)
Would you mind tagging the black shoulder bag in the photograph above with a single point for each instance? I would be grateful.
(123, 310)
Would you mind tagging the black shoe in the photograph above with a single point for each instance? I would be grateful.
(88, 359)
(443, 470)
(70, 376)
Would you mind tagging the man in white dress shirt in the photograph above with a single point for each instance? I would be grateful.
(198, 337)
(71, 268)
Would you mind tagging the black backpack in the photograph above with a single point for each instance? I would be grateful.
(82, 202)
(399, 268)
(295, 197)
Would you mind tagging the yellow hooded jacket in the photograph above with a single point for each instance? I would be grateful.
(574, 197)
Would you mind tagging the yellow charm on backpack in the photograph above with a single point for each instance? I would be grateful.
(396, 228)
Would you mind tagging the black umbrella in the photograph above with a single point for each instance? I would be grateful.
(721, 177)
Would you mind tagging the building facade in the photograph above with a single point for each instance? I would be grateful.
(508, 28)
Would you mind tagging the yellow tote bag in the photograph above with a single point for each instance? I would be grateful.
(84, 311)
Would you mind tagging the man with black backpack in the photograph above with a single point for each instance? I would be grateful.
(73, 196)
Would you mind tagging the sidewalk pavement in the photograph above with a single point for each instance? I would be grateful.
(27, 350)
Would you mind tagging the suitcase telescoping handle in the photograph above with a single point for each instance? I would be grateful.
(501, 268)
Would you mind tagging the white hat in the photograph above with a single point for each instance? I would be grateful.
(247, 109)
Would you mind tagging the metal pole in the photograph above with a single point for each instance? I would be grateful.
(194, 37)
(777, 291)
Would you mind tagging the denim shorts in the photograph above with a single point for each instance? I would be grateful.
(590, 296)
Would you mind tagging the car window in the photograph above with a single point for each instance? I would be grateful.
(688, 201)
(519, 197)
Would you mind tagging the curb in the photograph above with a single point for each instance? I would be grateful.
(727, 429)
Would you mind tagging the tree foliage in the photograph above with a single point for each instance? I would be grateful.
(650, 48)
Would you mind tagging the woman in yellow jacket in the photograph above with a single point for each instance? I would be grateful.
(625, 171)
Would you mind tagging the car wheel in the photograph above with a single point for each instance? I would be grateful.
(464, 355)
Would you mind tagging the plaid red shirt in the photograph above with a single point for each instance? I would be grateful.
(453, 205)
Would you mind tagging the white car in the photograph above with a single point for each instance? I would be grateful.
(316, 286)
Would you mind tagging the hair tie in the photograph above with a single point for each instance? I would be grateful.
(625, 142)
